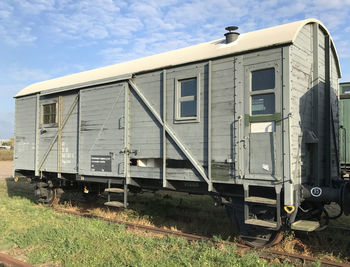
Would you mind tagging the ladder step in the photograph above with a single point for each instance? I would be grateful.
(304, 225)
(261, 200)
(115, 190)
(116, 204)
(263, 223)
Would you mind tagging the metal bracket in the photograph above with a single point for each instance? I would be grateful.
(126, 150)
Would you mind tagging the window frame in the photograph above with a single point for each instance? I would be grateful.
(47, 125)
(261, 92)
(179, 100)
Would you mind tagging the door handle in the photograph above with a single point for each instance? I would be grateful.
(244, 141)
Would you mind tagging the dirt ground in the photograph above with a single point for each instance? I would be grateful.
(6, 169)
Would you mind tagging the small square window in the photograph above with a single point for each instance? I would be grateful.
(263, 104)
(187, 100)
(263, 79)
(49, 113)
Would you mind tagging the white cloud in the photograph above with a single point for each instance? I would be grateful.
(327, 5)
(343, 48)
(99, 19)
(23, 74)
(11, 30)
(5, 10)
(34, 7)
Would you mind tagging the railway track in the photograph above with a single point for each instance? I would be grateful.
(340, 228)
(268, 255)
(7, 261)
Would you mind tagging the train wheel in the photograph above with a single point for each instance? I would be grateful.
(91, 197)
(48, 195)
(53, 198)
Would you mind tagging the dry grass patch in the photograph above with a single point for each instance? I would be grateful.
(6, 155)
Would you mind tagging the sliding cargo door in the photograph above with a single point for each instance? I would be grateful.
(262, 131)
(101, 131)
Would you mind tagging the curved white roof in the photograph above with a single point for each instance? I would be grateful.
(274, 36)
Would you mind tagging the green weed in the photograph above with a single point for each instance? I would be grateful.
(46, 236)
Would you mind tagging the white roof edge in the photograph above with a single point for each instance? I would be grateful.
(269, 37)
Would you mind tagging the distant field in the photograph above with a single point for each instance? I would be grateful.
(43, 236)
(6, 154)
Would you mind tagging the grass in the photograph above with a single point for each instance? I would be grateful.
(46, 236)
(6, 155)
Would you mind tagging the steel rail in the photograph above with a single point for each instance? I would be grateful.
(9, 261)
(191, 237)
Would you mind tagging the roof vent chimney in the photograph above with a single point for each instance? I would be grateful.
(230, 35)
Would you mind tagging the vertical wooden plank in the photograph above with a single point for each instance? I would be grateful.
(59, 136)
(286, 133)
(37, 134)
(165, 184)
(210, 187)
(327, 129)
(239, 95)
(126, 135)
(315, 82)
(79, 133)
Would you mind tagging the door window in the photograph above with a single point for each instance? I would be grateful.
(262, 91)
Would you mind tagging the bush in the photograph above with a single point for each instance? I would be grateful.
(6, 154)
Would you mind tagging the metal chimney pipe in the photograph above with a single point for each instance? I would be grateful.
(231, 36)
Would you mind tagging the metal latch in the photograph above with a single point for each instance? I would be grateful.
(126, 150)
(244, 141)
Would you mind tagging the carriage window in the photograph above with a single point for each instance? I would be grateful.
(49, 114)
(187, 99)
(263, 79)
(263, 104)
(346, 89)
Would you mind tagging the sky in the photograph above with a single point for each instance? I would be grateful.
(44, 39)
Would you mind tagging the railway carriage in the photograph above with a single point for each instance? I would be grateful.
(344, 112)
(251, 119)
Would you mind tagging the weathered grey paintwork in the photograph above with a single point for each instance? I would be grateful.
(133, 118)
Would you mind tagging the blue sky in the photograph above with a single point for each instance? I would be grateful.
(43, 39)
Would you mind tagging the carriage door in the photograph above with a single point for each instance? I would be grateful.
(101, 135)
(262, 121)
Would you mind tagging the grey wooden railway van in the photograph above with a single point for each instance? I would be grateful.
(254, 114)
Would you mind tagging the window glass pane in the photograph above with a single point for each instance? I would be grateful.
(46, 109)
(188, 109)
(346, 89)
(189, 87)
(46, 119)
(263, 79)
(263, 104)
(49, 113)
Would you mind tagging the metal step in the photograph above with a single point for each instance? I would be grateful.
(304, 225)
(115, 190)
(262, 223)
(261, 200)
(116, 204)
